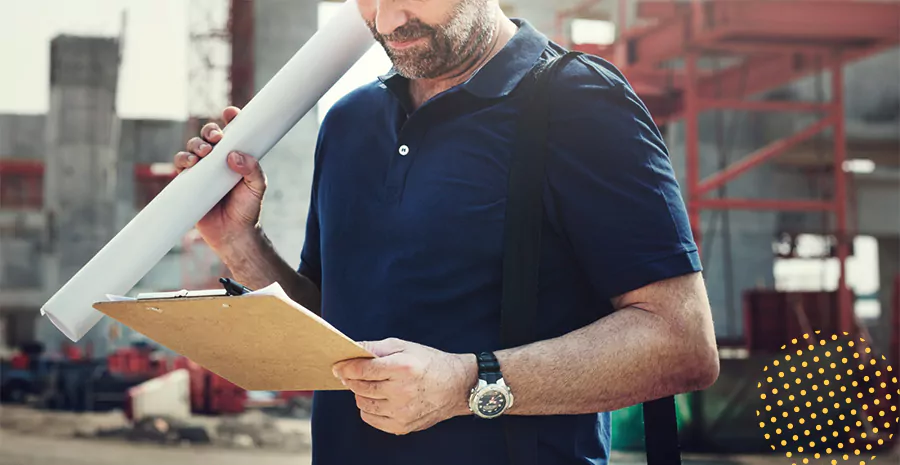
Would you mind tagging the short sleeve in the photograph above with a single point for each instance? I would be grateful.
(612, 191)
(310, 255)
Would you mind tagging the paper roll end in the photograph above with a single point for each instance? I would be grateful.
(72, 335)
(73, 326)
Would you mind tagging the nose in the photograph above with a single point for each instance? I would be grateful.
(390, 15)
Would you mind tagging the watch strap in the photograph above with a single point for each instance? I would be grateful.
(489, 367)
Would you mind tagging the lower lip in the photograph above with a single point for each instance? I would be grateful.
(403, 45)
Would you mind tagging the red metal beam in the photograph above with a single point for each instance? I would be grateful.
(761, 105)
(758, 74)
(806, 21)
(756, 47)
(36, 168)
(860, 28)
(242, 57)
(845, 297)
(22, 167)
(692, 146)
(659, 9)
(755, 204)
(762, 155)
(662, 42)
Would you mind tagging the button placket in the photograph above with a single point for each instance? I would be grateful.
(409, 139)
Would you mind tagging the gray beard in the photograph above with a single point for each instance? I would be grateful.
(465, 38)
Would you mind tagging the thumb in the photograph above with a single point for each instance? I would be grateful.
(248, 167)
(385, 347)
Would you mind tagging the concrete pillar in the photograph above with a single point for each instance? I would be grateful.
(281, 28)
(82, 140)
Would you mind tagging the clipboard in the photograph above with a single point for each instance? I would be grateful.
(262, 341)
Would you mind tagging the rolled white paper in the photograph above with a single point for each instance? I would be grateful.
(147, 238)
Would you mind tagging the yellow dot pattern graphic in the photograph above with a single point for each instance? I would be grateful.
(838, 388)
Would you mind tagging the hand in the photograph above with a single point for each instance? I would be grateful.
(238, 212)
(409, 387)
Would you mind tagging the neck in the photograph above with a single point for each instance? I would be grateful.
(422, 90)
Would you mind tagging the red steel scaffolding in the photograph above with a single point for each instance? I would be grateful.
(773, 42)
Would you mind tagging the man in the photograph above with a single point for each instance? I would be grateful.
(405, 238)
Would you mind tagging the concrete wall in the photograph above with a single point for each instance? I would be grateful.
(82, 137)
(22, 136)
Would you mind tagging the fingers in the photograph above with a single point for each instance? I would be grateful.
(378, 369)
(185, 160)
(385, 347)
(248, 167)
(199, 147)
(379, 422)
(369, 389)
(230, 114)
(211, 132)
(378, 407)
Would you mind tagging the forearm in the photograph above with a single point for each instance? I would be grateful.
(256, 264)
(624, 359)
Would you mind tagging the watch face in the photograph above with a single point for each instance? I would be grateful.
(491, 402)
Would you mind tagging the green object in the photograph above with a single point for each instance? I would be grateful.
(628, 424)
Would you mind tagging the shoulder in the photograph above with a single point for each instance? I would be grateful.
(358, 104)
(591, 98)
(590, 86)
(590, 71)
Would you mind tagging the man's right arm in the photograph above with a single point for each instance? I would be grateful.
(255, 263)
(231, 228)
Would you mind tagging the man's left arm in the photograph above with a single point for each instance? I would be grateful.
(660, 342)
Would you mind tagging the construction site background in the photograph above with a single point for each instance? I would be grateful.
(782, 118)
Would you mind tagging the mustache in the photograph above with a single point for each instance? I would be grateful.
(413, 29)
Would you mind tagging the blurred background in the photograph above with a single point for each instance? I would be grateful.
(782, 118)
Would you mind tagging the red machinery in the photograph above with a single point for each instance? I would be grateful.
(210, 393)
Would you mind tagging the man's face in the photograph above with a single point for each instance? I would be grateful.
(428, 38)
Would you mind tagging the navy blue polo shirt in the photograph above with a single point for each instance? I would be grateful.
(405, 235)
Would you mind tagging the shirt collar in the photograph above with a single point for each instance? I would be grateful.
(503, 72)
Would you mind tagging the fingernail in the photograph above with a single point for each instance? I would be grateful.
(204, 147)
(214, 133)
(238, 159)
(334, 372)
(193, 158)
(343, 382)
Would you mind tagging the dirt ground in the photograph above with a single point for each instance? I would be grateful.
(31, 437)
(16, 449)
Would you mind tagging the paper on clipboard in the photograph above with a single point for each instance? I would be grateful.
(261, 341)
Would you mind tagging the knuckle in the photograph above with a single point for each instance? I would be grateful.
(407, 368)
(208, 128)
(408, 390)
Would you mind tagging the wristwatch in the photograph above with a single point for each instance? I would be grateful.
(491, 397)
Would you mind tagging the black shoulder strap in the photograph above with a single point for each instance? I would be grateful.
(521, 260)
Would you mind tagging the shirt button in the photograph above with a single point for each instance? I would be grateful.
(404, 150)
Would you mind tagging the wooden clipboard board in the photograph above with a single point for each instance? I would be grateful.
(258, 342)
